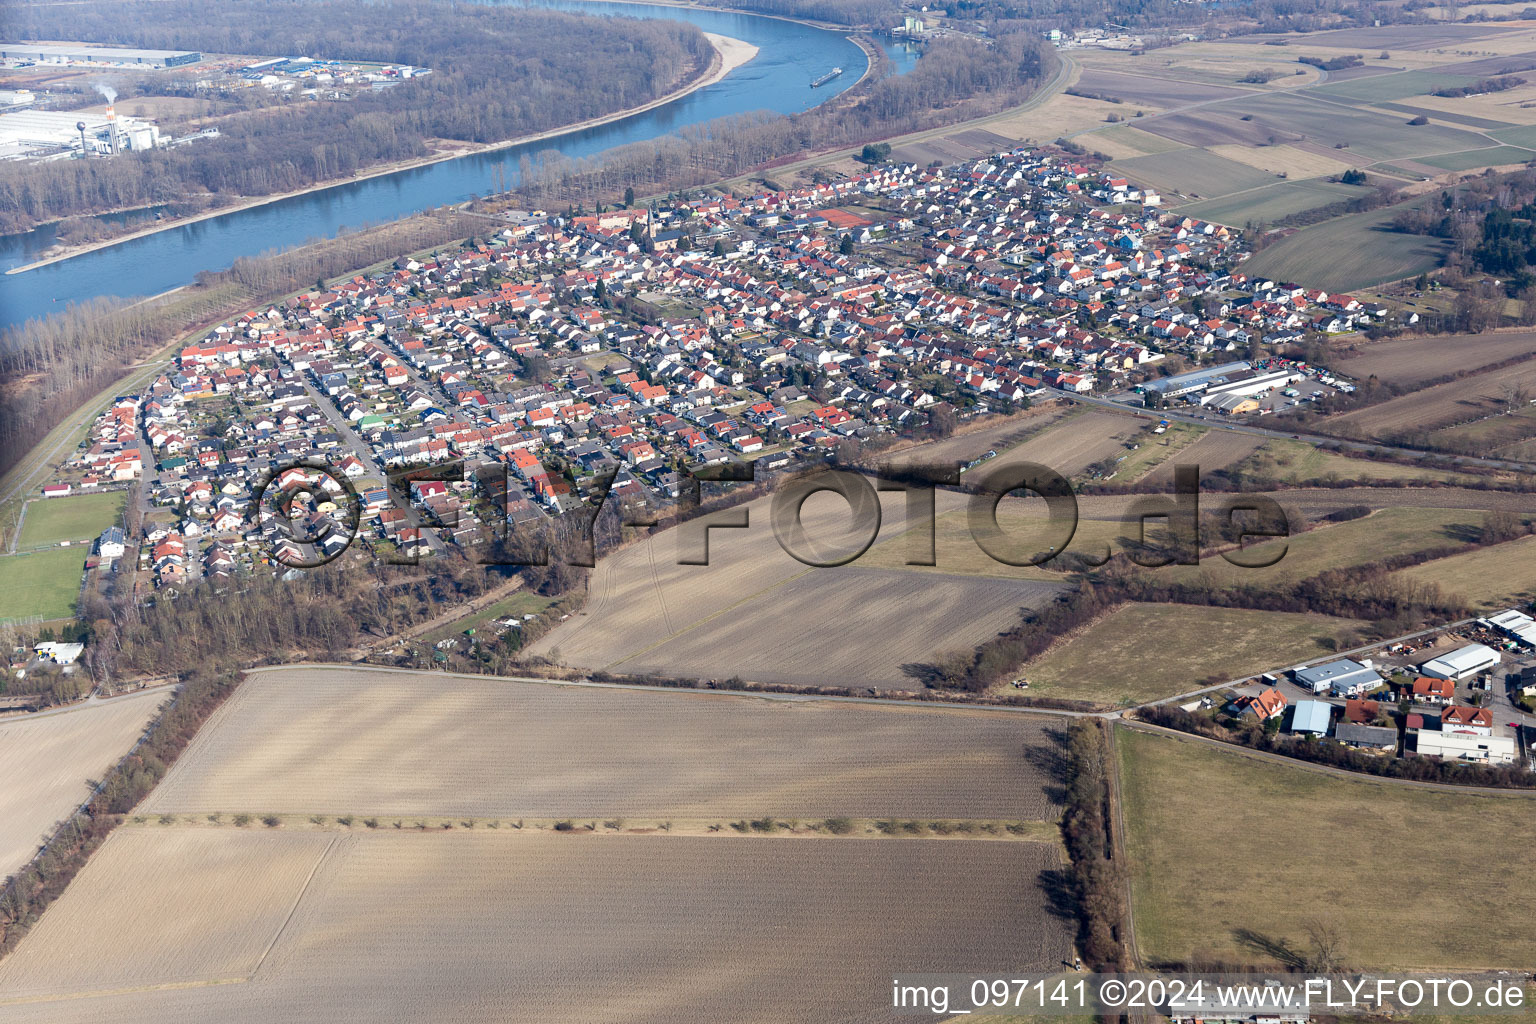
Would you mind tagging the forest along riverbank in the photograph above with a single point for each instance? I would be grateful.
(730, 54)
(789, 55)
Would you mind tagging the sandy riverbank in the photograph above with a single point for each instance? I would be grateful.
(730, 54)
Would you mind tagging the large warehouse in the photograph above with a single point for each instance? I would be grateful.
(1461, 663)
(80, 53)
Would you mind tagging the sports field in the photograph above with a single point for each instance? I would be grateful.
(1142, 652)
(80, 517)
(1228, 850)
(41, 584)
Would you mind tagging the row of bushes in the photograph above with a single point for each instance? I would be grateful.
(1098, 884)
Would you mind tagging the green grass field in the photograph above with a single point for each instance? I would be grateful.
(1360, 252)
(1387, 532)
(520, 603)
(1498, 156)
(43, 584)
(1193, 172)
(76, 518)
(1293, 462)
(1392, 87)
(1488, 578)
(1221, 844)
(1141, 652)
(1157, 449)
(1272, 202)
(1134, 138)
(1489, 434)
(1525, 135)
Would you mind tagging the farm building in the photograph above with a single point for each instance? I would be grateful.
(1343, 678)
(1518, 626)
(1464, 746)
(1462, 663)
(1367, 737)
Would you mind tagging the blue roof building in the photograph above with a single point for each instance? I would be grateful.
(1312, 716)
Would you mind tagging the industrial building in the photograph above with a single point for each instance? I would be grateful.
(1312, 716)
(28, 134)
(1518, 626)
(1466, 746)
(1343, 678)
(1462, 663)
(1196, 380)
(96, 56)
(1247, 385)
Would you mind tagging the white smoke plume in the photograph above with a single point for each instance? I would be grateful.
(107, 91)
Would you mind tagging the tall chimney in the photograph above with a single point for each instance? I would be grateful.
(112, 126)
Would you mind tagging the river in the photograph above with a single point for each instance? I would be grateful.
(789, 56)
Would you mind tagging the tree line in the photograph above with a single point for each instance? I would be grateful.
(1098, 883)
(497, 73)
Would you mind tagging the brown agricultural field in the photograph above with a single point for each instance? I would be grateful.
(166, 907)
(752, 610)
(507, 926)
(847, 626)
(967, 444)
(47, 758)
(1142, 90)
(1216, 450)
(1412, 360)
(1076, 443)
(1480, 395)
(338, 741)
